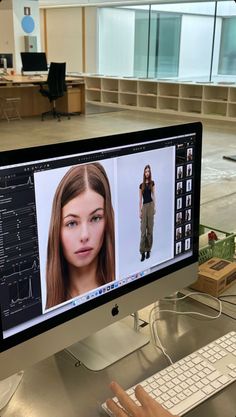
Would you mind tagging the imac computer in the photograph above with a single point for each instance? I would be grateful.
(34, 63)
(70, 234)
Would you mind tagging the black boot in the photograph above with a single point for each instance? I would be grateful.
(147, 255)
(142, 257)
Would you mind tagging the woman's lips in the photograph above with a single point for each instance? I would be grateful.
(83, 251)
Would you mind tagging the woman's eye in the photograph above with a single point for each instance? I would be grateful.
(71, 224)
(96, 219)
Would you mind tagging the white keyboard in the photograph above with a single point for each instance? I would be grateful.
(192, 380)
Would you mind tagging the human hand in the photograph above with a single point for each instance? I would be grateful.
(148, 406)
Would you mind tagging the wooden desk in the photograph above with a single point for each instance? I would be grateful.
(33, 103)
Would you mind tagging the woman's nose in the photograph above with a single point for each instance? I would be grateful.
(84, 232)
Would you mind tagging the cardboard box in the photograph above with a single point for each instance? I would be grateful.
(215, 276)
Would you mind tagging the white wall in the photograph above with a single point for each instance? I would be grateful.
(6, 36)
(64, 37)
(116, 41)
(18, 14)
(42, 29)
(91, 39)
(195, 44)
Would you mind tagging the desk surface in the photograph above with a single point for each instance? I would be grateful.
(56, 388)
(31, 79)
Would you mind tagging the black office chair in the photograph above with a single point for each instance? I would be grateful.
(55, 88)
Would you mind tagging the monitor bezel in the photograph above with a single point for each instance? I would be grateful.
(33, 54)
(26, 155)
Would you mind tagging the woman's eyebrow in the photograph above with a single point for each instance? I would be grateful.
(77, 216)
(97, 209)
(71, 215)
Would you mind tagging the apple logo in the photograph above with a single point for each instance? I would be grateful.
(115, 310)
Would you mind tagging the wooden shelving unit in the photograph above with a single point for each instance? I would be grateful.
(212, 101)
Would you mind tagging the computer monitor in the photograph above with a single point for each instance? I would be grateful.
(34, 63)
(70, 255)
(6, 61)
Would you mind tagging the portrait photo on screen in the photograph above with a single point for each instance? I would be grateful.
(145, 243)
(75, 220)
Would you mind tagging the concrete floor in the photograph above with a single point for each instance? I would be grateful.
(218, 195)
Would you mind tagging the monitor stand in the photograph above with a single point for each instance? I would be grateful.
(108, 345)
(8, 387)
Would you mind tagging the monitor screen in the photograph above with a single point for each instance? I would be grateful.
(34, 61)
(8, 58)
(87, 223)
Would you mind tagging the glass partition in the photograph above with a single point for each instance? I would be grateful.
(179, 41)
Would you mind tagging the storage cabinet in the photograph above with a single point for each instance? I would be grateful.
(128, 99)
(191, 106)
(166, 103)
(191, 91)
(214, 108)
(168, 89)
(214, 93)
(147, 102)
(109, 97)
(212, 101)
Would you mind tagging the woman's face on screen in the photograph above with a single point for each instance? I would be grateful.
(82, 228)
(147, 172)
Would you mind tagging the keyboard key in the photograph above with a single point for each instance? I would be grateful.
(178, 389)
(181, 396)
(157, 392)
(213, 376)
(148, 388)
(168, 405)
(163, 388)
(172, 393)
(130, 391)
(224, 379)
(165, 397)
(187, 404)
(208, 390)
(170, 384)
(175, 400)
(197, 360)
(216, 384)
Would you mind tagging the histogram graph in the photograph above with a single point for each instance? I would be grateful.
(20, 291)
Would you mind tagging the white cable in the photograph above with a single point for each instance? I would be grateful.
(154, 335)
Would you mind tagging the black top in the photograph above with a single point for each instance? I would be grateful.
(147, 193)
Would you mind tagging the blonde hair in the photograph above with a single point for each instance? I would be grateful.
(74, 183)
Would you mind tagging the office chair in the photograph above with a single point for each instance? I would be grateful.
(56, 87)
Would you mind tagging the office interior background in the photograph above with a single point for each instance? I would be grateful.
(145, 40)
(193, 43)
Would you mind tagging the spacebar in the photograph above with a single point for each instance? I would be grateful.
(187, 404)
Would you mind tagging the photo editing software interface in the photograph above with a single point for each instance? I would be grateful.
(29, 194)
